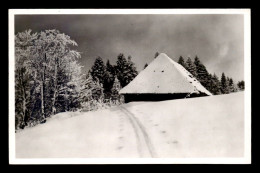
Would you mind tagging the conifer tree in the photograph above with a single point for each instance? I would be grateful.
(132, 72)
(110, 68)
(145, 65)
(109, 78)
(241, 85)
(98, 70)
(224, 84)
(182, 62)
(227, 85)
(156, 54)
(232, 87)
(125, 70)
(189, 65)
(121, 66)
(215, 87)
(202, 73)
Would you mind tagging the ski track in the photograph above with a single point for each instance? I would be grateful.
(144, 145)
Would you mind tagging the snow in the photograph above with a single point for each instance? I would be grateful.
(163, 75)
(196, 127)
(92, 134)
(185, 128)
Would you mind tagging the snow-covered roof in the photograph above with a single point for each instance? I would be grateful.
(163, 75)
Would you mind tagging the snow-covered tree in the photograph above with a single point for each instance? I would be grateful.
(98, 91)
(23, 77)
(86, 89)
(22, 95)
(49, 61)
(115, 96)
(74, 85)
(65, 59)
(91, 92)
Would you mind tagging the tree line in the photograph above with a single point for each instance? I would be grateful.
(107, 80)
(49, 78)
(211, 82)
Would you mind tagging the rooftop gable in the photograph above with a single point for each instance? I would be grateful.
(163, 75)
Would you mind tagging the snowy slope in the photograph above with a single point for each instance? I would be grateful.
(163, 75)
(195, 127)
(93, 134)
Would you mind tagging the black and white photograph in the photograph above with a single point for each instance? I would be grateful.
(129, 86)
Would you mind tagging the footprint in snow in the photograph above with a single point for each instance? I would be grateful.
(119, 148)
(175, 142)
(121, 137)
(172, 142)
(163, 131)
(156, 124)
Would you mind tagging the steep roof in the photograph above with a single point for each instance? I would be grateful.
(163, 75)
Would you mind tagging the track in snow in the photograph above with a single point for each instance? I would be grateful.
(144, 144)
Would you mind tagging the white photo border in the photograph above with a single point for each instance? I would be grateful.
(247, 101)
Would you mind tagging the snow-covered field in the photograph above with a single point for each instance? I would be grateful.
(197, 127)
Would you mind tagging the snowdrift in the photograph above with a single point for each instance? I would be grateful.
(210, 126)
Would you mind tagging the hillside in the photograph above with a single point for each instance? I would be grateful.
(210, 126)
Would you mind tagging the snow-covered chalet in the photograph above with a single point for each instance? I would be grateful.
(163, 79)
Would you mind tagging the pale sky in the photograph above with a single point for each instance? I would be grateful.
(218, 40)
